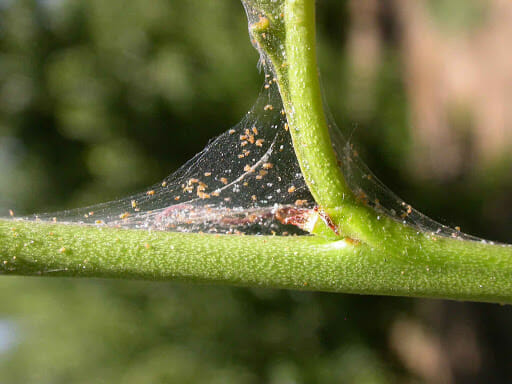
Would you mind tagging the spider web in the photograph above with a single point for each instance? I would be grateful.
(248, 181)
(372, 192)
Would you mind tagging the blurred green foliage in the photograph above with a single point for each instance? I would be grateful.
(101, 98)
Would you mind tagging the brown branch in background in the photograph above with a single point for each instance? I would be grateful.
(459, 81)
(364, 51)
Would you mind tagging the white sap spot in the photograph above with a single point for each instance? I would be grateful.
(340, 244)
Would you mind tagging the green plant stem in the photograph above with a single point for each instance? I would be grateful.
(372, 255)
(305, 113)
(288, 42)
(306, 263)
(294, 64)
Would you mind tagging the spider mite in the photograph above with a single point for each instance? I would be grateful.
(303, 218)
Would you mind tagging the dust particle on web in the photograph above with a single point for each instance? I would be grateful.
(203, 195)
(408, 212)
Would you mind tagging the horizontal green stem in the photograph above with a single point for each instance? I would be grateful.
(306, 263)
(386, 258)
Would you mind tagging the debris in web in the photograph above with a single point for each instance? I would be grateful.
(248, 180)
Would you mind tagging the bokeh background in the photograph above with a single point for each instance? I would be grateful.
(99, 99)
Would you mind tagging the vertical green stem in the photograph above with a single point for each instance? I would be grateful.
(285, 35)
(305, 112)
(288, 41)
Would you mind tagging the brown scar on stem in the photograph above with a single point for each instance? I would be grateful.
(351, 241)
(327, 220)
